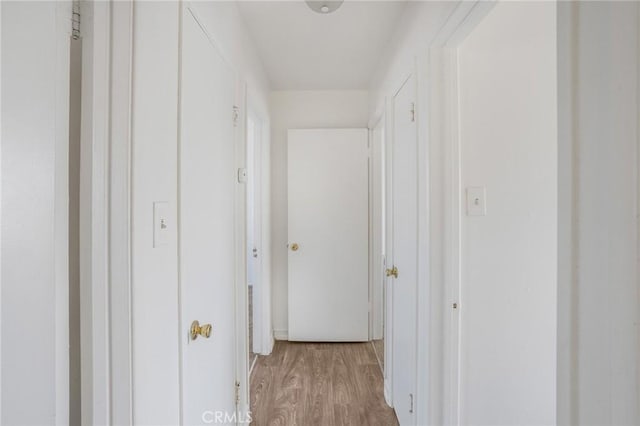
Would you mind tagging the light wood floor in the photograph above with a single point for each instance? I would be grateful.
(378, 346)
(323, 384)
(252, 355)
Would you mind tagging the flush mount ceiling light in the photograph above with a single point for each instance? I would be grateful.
(324, 7)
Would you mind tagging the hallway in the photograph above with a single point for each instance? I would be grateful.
(324, 384)
(305, 212)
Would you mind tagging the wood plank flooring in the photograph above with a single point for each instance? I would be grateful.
(252, 355)
(378, 346)
(323, 384)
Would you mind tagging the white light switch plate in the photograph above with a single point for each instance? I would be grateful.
(476, 201)
(242, 175)
(160, 223)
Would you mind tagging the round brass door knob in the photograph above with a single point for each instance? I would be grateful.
(202, 330)
(294, 247)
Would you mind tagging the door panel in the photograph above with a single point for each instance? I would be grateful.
(328, 219)
(405, 249)
(206, 216)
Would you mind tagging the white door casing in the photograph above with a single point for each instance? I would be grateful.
(207, 179)
(254, 225)
(405, 248)
(328, 221)
(377, 230)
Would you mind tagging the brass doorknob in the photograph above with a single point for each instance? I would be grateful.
(203, 330)
(295, 247)
(392, 272)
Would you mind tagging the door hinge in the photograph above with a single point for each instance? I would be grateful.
(236, 115)
(413, 112)
(411, 403)
(75, 20)
(237, 393)
(455, 305)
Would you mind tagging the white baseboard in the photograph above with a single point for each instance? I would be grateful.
(387, 394)
(268, 347)
(281, 334)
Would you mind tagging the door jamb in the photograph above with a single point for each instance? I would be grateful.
(388, 118)
(443, 165)
(256, 174)
(375, 312)
(105, 188)
(241, 289)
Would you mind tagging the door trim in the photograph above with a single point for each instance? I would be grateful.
(443, 203)
(261, 292)
(241, 289)
(105, 221)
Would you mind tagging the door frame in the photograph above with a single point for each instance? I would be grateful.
(105, 221)
(384, 117)
(241, 288)
(376, 264)
(377, 303)
(261, 310)
(440, 95)
(412, 71)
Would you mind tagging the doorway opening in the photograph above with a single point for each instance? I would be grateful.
(253, 236)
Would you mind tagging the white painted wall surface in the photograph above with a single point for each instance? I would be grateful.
(598, 341)
(154, 293)
(300, 110)
(508, 136)
(418, 25)
(225, 24)
(34, 259)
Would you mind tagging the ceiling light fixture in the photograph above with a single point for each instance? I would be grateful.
(324, 7)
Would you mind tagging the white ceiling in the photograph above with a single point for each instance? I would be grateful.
(305, 50)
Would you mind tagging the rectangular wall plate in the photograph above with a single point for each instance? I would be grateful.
(160, 223)
(476, 201)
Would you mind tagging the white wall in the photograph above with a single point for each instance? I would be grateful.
(300, 110)
(34, 259)
(508, 139)
(598, 363)
(417, 27)
(226, 26)
(154, 278)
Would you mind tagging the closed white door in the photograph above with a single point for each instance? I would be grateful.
(405, 249)
(207, 179)
(328, 235)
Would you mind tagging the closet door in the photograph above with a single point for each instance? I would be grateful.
(328, 235)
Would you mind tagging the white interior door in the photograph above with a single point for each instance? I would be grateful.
(207, 179)
(328, 235)
(405, 249)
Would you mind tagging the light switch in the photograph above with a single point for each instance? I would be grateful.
(160, 223)
(242, 175)
(476, 201)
